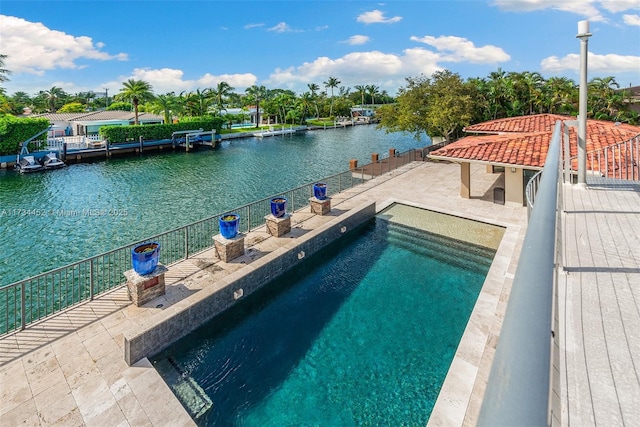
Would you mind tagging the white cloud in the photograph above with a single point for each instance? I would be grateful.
(610, 63)
(249, 26)
(282, 27)
(631, 20)
(619, 5)
(358, 40)
(463, 50)
(377, 17)
(33, 48)
(374, 67)
(165, 80)
(586, 8)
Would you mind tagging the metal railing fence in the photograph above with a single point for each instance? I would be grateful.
(518, 390)
(618, 161)
(35, 298)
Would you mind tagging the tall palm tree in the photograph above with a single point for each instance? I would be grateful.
(137, 91)
(52, 96)
(221, 92)
(256, 94)
(331, 83)
(313, 88)
(372, 90)
(361, 89)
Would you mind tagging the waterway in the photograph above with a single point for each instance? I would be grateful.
(51, 219)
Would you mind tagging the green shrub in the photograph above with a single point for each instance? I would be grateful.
(122, 134)
(14, 131)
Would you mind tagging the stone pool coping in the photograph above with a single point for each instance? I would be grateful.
(168, 326)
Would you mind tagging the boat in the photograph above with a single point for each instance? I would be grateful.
(28, 164)
(51, 161)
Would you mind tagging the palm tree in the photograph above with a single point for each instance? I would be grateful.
(137, 91)
(313, 88)
(52, 96)
(197, 103)
(362, 89)
(372, 90)
(3, 71)
(222, 91)
(257, 93)
(331, 83)
(166, 105)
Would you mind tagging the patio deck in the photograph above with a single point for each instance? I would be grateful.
(599, 304)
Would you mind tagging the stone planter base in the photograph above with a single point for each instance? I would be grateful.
(320, 207)
(228, 249)
(142, 289)
(278, 227)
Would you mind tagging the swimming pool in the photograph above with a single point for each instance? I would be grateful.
(363, 332)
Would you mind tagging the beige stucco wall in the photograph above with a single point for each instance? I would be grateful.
(465, 180)
(514, 186)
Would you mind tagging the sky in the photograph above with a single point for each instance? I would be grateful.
(177, 46)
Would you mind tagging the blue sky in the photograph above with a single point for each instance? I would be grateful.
(187, 45)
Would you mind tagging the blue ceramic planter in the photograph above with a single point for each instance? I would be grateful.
(144, 257)
(320, 190)
(278, 207)
(229, 225)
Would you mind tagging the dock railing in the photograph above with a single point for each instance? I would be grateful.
(519, 387)
(38, 297)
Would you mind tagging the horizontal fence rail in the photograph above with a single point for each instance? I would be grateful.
(38, 297)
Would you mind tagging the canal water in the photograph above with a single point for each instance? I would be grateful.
(51, 219)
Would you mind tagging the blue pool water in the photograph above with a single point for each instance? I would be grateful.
(362, 333)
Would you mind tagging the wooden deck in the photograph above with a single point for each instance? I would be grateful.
(599, 304)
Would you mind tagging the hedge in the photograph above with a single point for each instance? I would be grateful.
(122, 134)
(14, 131)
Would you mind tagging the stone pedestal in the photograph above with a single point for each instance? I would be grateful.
(228, 249)
(143, 289)
(278, 227)
(320, 207)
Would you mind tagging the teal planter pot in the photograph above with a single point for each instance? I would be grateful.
(320, 190)
(278, 207)
(229, 225)
(144, 257)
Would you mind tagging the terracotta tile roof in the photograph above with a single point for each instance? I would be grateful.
(529, 149)
(535, 123)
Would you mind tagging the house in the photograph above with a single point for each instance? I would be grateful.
(517, 147)
(88, 123)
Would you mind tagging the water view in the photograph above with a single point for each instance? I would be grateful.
(51, 219)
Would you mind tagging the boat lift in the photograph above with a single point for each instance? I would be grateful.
(24, 150)
(189, 138)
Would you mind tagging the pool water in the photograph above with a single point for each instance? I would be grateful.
(362, 333)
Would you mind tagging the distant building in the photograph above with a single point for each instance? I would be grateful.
(70, 124)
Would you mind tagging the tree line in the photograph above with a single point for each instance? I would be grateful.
(443, 104)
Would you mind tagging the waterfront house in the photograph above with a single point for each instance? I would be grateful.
(89, 123)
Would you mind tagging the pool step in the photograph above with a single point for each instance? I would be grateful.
(450, 251)
(191, 395)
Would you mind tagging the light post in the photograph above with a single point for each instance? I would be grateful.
(106, 97)
(583, 35)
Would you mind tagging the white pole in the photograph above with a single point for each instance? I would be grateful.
(583, 35)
